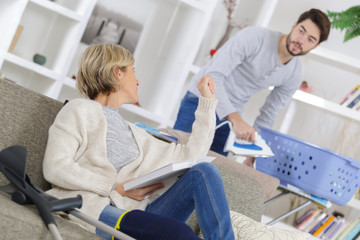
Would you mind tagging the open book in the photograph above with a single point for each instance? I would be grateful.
(259, 148)
(165, 173)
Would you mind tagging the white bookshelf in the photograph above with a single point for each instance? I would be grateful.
(337, 59)
(52, 29)
(164, 54)
(317, 102)
(180, 37)
(57, 8)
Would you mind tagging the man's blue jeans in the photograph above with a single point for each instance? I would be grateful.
(200, 188)
(186, 118)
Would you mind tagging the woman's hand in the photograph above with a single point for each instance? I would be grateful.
(207, 87)
(140, 193)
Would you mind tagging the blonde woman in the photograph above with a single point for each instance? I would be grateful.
(93, 151)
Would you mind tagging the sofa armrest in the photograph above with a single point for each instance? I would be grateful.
(268, 183)
(243, 193)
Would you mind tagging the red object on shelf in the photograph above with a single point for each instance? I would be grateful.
(212, 52)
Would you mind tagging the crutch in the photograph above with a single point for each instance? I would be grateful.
(23, 191)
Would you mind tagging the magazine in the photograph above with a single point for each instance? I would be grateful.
(164, 173)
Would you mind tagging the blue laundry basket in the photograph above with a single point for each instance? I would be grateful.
(316, 170)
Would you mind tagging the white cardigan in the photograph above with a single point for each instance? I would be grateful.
(76, 162)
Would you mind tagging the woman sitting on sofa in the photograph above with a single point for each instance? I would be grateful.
(93, 151)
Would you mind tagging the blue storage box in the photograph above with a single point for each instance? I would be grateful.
(316, 170)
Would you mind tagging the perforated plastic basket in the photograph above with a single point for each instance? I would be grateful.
(314, 169)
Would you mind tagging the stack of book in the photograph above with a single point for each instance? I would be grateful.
(352, 99)
(328, 226)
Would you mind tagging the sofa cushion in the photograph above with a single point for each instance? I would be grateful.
(243, 193)
(24, 222)
(25, 120)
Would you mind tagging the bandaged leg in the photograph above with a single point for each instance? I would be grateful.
(143, 225)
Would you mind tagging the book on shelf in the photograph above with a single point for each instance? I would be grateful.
(338, 230)
(319, 224)
(357, 237)
(354, 101)
(321, 216)
(304, 224)
(303, 217)
(346, 99)
(15, 38)
(328, 229)
(328, 221)
(328, 226)
(348, 231)
(165, 173)
(353, 231)
(340, 226)
(356, 106)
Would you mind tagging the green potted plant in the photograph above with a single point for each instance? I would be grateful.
(348, 20)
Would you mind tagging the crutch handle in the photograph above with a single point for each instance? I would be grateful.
(66, 204)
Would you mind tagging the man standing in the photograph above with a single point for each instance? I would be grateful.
(254, 59)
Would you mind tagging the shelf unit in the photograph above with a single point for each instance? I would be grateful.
(337, 59)
(50, 28)
(163, 56)
(173, 36)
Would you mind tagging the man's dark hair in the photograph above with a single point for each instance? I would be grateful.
(320, 19)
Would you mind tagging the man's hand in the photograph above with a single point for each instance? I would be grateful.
(207, 87)
(140, 193)
(242, 130)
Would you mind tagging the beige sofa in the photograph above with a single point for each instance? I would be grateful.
(25, 119)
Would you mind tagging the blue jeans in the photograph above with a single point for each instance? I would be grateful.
(200, 188)
(186, 118)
